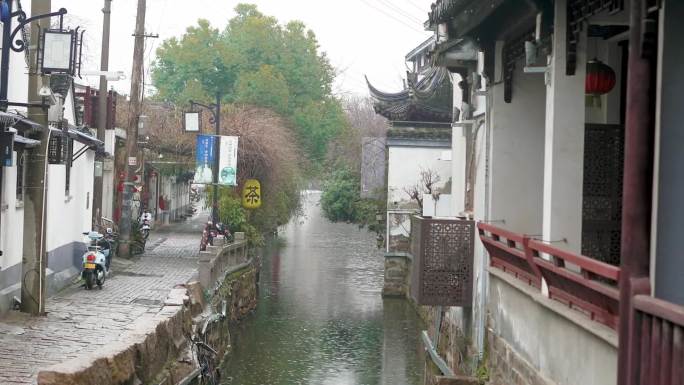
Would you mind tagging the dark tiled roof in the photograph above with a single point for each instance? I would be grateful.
(428, 100)
(443, 10)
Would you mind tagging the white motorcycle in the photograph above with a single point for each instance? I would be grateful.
(145, 224)
(95, 260)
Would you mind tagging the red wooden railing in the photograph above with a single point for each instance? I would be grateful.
(657, 348)
(580, 282)
(507, 252)
(592, 290)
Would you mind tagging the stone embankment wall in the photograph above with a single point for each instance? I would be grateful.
(157, 350)
(453, 344)
(139, 356)
(237, 293)
(531, 339)
(396, 275)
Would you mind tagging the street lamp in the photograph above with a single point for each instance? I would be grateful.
(57, 51)
(192, 123)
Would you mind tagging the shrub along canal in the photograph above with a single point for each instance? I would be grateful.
(321, 319)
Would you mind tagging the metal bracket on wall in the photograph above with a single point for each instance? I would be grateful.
(80, 152)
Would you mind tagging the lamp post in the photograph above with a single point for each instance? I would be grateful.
(190, 118)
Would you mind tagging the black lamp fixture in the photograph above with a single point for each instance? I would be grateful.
(59, 49)
(192, 120)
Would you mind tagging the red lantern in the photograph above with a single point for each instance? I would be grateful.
(600, 78)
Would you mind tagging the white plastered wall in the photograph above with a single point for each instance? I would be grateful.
(12, 219)
(404, 167)
(69, 215)
(517, 154)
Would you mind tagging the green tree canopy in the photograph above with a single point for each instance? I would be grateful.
(255, 60)
(265, 87)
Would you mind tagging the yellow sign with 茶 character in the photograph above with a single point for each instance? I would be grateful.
(251, 194)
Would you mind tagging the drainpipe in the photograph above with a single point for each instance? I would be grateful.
(484, 262)
(637, 190)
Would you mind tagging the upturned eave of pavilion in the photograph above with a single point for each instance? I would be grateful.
(427, 100)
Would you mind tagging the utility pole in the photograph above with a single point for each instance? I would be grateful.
(102, 110)
(34, 261)
(132, 131)
(217, 156)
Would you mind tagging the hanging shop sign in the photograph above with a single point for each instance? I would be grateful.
(205, 159)
(228, 161)
(251, 194)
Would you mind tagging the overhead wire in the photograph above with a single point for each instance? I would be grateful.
(149, 52)
(416, 6)
(371, 5)
(400, 11)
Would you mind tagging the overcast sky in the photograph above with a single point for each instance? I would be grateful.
(361, 37)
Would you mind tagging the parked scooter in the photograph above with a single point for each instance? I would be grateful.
(209, 233)
(95, 260)
(145, 224)
(195, 195)
(223, 230)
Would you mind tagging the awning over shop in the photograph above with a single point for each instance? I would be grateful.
(80, 135)
(10, 119)
(26, 142)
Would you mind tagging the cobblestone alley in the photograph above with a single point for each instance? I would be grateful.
(80, 322)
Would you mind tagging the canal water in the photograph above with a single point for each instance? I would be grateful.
(321, 319)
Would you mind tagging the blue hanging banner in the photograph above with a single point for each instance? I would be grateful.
(5, 15)
(6, 148)
(205, 159)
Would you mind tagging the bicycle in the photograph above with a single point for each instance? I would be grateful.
(205, 356)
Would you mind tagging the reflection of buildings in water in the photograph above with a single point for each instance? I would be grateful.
(400, 344)
(275, 273)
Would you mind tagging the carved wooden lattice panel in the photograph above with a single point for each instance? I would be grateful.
(602, 192)
(442, 273)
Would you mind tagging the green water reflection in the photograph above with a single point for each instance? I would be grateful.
(321, 319)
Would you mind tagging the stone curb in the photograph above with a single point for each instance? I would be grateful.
(141, 353)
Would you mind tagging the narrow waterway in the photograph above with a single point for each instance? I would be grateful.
(321, 319)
